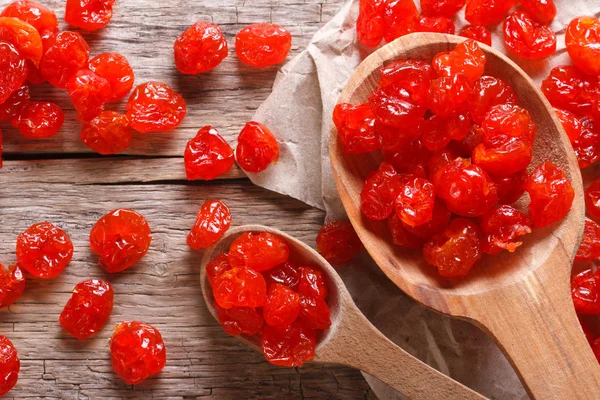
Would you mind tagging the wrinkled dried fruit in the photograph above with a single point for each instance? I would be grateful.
(439, 161)
(200, 48)
(401, 236)
(212, 221)
(14, 70)
(379, 192)
(88, 93)
(465, 188)
(88, 309)
(505, 158)
(589, 249)
(587, 145)
(10, 366)
(314, 312)
(284, 274)
(289, 347)
(44, 250)
(120, 239)
(12, 284)
(442, 8)
(399, 18)
(585, 291)
(89, 15)
(436, 132)
(23, 36)
(312, 282)
(37, 15)
(116, 70)
(570, 122)
(487, 93)
(501, 226)
(479, 33)
(66, 53)
(456, 250)
(487, 12)
(258, 251)
(407, 155)
(569, 89)
(262, 45)
(412, 75)
(583, 41)
(449, 94)
(207, 155)
(369, 25)
(10, 109)
(108, 133)
(137, 351)
(338, 243)
(466, 58)
(155, 107)
(356, 128)
(510, 188)
(257, 148)
(439, 221)
(240, 287)
(39, 120)
(592, 199)
(435, 24)
(551, 194)
(415, 201)
(216, 267)
(282, 307)
(240, 320)
(528, 38)
(393, 105)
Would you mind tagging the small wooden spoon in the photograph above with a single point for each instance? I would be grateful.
(351, 340)
(521, 299)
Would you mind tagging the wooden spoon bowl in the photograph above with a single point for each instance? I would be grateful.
(351, 340)
(522, 299)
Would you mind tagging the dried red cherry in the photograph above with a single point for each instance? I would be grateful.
(216, 267)
(312, 282)
(528, 38)
(116, 70)
(108, 133)
(583, 39)
(88, 93)
(155, 107)
(589, 249)
(570, 89)
(487, 93)
(401, 236)
(89, 15)
(262, 45)
(487, 12)
(289, 347)
(356, 128)
(592, 199)
(585, 292)
(551, 194)
(14, 70)
(23, 36)
(88, 309)
(282, 306)
(338, 243)
(415, 201)
(257, 148)
(439, 221)
(436, 132)
(284, 274)
(207, 155)
(39, 120)
(435, 24)
(412, 75)
(510, 188)
(399, 18)
(137, 351)
(443, 8)
(212, 221)
(66, 53)
(240, 320)
(449, 94)
(44, 250)
(240, 287)
(10, 366)
(12, 284)
(37, 15)
(587, 145)
(501, 226)
(571, 123)
(543, 11)
(369, 25)
(120, 239)
(200, 48)
(379, 192)
(393, 105)
(479, 33)
(11, 108)
(314, 312)
(258, 251)
(456, 249)
(466, 58)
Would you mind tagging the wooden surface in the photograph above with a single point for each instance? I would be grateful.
(351, 340)
(521, 299)
(59, 180)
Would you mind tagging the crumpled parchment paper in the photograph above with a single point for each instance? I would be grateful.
(299, 114)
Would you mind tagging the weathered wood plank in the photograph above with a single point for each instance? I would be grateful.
(162, 290)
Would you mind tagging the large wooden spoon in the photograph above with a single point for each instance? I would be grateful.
(521, 299)
(352, 340)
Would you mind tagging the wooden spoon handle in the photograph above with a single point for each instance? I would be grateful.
(535, 324)
(358, 344)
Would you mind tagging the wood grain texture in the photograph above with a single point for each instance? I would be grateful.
(61, 181)
(521, 299)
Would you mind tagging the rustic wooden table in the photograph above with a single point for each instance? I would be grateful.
(61, 181)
